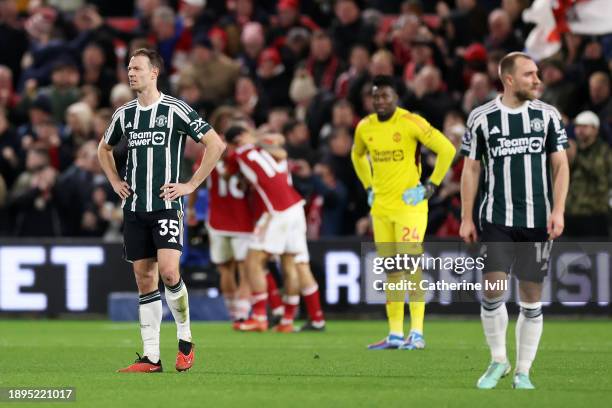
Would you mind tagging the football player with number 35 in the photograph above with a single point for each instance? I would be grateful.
(156, 127)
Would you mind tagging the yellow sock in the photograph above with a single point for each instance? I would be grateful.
(395, 305)
(395, 315)
(417, 316)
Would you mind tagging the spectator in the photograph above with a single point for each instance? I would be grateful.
(101, 120)
(288, 18)
(120, 95)
(428, 97)
(444, 218)
(343, 116)
(215, 73)
(173, 40)
(298, 142)
(78, 130)
(253, 42)
(277, 119)
(469, 22)
(348, 28)
(302, 91)
(248, 101)
(63, 90)
(31, 200)
(96, 73)
(557, 90)
(8, 96)
(479, 92)
(39, 112)
(189, 91)
(600, 102)
(12, 156)
(75, 188)
(90, 95)
(339, 159)
(515, 8)
(404, 33)
(322, 64)
(196, 16)
(501, 36)
(333, 197)
(590, 179)
(493, 59)
(359, 60)
(274, 78)
(5, 227)
(296, 47)
(13, 39)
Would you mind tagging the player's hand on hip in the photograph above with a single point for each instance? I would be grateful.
(555, 225)
(467, 231)
(414, 195)
(122, 188)
(370, 196)
(172, 191)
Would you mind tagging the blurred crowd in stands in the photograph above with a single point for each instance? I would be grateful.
(300, 68)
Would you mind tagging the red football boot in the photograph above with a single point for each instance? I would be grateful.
(185, 361)
(142, 365)
(253, 325)
(284, 328)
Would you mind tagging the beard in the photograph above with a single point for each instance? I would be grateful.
(526, 95)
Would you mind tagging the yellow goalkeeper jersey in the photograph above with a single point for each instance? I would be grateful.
(393, 147)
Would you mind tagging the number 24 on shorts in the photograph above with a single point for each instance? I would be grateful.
(406, 234)
(166, 226)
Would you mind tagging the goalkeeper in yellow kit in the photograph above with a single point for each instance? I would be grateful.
(392, 137)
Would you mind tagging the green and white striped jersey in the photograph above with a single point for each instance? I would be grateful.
(155, 137)
(513, 145)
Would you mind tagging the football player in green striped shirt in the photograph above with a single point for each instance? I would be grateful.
(517, 140)
(155, 127)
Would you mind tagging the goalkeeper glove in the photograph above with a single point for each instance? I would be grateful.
(415, 195)
(370, 196)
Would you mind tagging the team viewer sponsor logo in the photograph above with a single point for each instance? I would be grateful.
(521, 145)
(146, 139)
(387, 155)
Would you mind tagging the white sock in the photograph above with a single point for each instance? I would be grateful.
(528, 332)
(494, 317)
(230, 305)
(178, 302)
(242, 307)
(150, 316)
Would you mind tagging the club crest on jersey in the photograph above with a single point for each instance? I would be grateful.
(161, 120)
(537, 124)
(397, 137)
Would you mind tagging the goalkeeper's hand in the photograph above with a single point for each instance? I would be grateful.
(415, 195)
(370, 196)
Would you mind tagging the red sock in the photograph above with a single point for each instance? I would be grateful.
(273, 294)
(291, 303)
(259, 300)
(313, 304)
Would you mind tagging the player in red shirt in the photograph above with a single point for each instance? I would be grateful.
(230, 225)
(275, 230)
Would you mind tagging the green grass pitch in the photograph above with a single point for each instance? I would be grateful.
(303, 370)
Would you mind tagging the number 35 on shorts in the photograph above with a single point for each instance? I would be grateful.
(169, 226)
